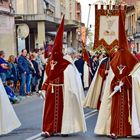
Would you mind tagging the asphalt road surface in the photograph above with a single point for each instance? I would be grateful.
(29, 112)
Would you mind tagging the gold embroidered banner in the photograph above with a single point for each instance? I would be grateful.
(107, 26)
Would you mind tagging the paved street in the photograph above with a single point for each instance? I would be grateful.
(29, 112)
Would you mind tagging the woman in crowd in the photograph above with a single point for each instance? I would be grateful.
(12, 73)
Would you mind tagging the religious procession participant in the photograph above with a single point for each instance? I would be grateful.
(63, 112)
(83, 64)
(79, 63)
(8, 118)
(119, 114)
(87, 72)
(96, 89)
(70, 56)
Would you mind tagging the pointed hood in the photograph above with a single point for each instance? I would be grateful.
(58, 42)
(56, 64)
(123, 61)
(123, 43)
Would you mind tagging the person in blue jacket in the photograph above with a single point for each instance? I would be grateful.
(25, 71)
(10, 92)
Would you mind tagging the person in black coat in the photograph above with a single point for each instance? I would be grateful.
(80, 66)
(94, 65)
(36, 74)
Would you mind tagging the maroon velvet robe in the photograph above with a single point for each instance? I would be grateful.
(53, 109)
(121, 108)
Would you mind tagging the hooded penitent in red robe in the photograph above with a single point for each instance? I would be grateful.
(122, 64)
(118, 95)
(96, 89)
(87, 73)
(53, 86)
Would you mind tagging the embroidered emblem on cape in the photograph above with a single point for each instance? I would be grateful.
(121, 68)
(53, 63)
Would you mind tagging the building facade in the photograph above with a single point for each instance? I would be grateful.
(78, 11)
(38, 15)
(82, 29)
(72, 10)
(43, 17)
(7, 28)
(60, 8)
(133, 25)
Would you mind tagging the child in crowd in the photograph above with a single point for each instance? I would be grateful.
(9, 89)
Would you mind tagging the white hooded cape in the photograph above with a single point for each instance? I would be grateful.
(8, 118)
(94, 90)
(77, 78)
(86, 75)
(73, 119)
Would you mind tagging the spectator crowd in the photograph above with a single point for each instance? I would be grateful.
(22, 75)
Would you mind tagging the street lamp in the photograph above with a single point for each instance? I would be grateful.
(97, 2)
(89, 13)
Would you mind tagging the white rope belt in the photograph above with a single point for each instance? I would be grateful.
(55, 85)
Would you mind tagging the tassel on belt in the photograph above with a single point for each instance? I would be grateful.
(55, 85)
